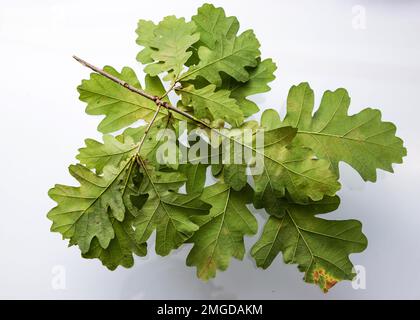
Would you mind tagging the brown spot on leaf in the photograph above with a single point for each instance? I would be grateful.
(330, 283)
(316, 276)
(323, 279)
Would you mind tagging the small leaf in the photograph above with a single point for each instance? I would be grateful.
(319, 247)
(173, 38)
(209, 103)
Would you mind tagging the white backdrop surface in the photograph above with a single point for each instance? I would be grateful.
(42, 124)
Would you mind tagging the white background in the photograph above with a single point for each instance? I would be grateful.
(43, 124)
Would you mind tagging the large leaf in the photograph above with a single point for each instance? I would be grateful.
(231, 56)
(319, 247)
(167, 212)
(293, 168)
(284, 166)
(86, 212)
(120, 106)
(173, 38)
(361, 140)
(221, 234)
(211, 104)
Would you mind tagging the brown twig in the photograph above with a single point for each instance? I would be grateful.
(158, 101)
(168, 91)
(146, 131)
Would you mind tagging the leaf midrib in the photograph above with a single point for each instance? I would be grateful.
(161, 201)
(313, 256)
(106, 188)
(266, 156)
(346, 138)
(189, 73)
(221, 105)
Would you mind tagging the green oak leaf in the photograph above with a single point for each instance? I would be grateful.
(122, 247)
(213, 25)
(120, 106)
(293, 168)
(145, 31)
(231, 56)
(85, 212)
(362, 140)
(97, 155)
(166, 211)
(113, 150)
(259, 78)
(319, 247)
(173, 38)
(283, 166)
(211, 104)
(221, 233)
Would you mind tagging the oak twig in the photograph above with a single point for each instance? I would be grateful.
(157, 100)
(146, 131)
